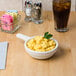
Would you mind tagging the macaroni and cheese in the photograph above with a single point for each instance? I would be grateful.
(41, 44)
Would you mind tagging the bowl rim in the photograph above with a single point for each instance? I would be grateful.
(53, 50)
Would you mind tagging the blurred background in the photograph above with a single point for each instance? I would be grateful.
(17, 4)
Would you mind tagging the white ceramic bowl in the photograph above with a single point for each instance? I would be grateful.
(41, 55)
(36, 54)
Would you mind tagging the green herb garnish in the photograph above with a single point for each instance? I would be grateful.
(47, 35)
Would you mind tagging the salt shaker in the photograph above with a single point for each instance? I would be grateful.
(28, 10)
(37, 13)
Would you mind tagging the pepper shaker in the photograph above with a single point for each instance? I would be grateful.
(37, 13)
(28, 10)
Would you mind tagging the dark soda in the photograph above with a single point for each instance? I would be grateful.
(61, 12)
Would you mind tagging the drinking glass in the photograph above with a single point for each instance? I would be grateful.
(61, 12)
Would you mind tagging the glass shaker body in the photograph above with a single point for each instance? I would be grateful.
(28, 10)
(37, 13)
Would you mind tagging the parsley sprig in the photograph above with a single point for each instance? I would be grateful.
(47, 35)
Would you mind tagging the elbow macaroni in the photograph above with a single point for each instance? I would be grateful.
(41, 44)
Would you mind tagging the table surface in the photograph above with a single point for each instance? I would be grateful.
(63, 63)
